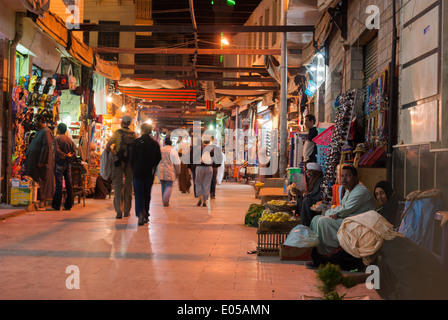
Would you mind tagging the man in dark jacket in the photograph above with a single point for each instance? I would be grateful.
(145, 157)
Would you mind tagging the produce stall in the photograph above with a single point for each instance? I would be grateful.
(273, 225)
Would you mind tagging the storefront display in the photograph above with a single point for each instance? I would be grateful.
(377, 110)
(27, 102)
(345, 110)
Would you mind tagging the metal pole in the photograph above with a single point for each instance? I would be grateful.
(283, 95)
(392, 102)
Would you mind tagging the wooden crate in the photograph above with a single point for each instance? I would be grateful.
(269, 242)
(268, 226)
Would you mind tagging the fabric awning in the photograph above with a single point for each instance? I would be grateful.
(107, 69)
(39, 7)
(53, 25)
(325, 4)
(183, 95)
(81, 52)
(151, 84)
(56, 28)
(323, 29)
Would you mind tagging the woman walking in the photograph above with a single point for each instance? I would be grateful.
(169, 170)
(185, 176)
(204, 173)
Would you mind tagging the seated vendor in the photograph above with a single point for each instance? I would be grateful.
(357, 199)
(407, 271)
(389, 202)
(311, 195)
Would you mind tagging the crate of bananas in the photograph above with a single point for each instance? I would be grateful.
(280, 206)
(276, 222)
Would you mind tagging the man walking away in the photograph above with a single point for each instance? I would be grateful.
(145, 157)
(122, 139)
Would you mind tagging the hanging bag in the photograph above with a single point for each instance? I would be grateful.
(62, 82)
(71, 79)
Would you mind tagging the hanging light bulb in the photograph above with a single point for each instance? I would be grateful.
(123, 108)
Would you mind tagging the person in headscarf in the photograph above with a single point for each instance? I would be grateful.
(389, 202)
(39, 161)
(169, 170)
(311, 195)
(407, 271)
(184, 176)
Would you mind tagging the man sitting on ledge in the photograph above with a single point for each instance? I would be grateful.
(357, 200)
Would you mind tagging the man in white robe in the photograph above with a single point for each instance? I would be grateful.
(357, 200)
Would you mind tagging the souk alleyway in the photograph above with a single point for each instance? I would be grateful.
(185, 253)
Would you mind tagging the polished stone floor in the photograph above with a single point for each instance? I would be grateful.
(185, 253)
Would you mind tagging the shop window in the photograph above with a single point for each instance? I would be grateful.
(442, 182)
(427, 160)
(22, 65)
(412, 169)
(37, 71)
(399, 168)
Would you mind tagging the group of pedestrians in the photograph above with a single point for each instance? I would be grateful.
(132, 165)
(144, 158)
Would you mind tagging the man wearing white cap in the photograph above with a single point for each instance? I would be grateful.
(312, 194)
(122, 139)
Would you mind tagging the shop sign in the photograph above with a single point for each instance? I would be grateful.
(311, 88)
(261, 107)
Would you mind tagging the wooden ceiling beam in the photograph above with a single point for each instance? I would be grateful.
(200, 78)
(184, 116)
(205, 69)
(188, 29)
(192, 51)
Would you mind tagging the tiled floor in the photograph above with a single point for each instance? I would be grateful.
(186, 252)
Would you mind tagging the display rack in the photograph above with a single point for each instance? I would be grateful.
(344, 118)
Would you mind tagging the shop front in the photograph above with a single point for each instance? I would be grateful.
(61, 83)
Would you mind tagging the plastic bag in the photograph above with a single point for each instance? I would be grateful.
(418, 222)
(301, 237)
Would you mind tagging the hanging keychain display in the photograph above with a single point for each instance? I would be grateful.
(344, 117)
(377, 110)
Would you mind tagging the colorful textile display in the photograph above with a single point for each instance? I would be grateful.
(345, 108)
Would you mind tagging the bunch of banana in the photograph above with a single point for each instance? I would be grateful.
(278, 202)
(276, 217)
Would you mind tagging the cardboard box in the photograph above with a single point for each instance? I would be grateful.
(21, 196)
(295, 254)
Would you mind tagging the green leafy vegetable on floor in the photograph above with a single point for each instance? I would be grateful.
(253, 214)
(330, 276)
